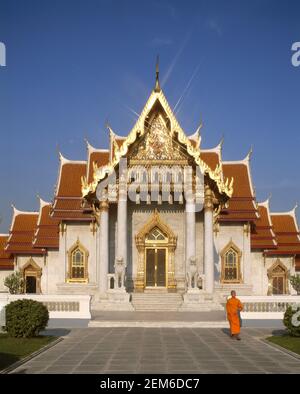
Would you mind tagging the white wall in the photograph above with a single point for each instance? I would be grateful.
(236, 234)
(3, 275)
(82, 232)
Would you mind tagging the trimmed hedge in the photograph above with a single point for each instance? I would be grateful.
(294, 330)
(25, 318)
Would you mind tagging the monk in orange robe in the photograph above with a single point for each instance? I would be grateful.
(233, 308)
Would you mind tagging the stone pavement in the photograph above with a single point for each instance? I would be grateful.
(162, 350)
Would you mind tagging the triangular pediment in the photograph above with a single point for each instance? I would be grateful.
(158, 144)
(157, 137)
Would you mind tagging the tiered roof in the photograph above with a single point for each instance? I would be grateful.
(47, 229)
(287, 234)
(242, 205)
(24, 225)
(67, 199)
(262, 235)
(6, 258)
(212, 157)
(34, 233)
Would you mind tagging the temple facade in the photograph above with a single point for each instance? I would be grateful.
(153, 215)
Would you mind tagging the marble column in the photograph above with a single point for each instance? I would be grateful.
(104, 246)
(190, 230)
(122, 222)
(208, 241)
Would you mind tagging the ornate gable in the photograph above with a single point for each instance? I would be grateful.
(157, 135)
(158, 145)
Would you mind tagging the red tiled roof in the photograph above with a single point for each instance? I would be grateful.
(241, 206)
(6, 258)
(262, 235)
(101, 158)
(67, 200)
(287, 234)
(47, 233)
(212, 159)
(22, 233)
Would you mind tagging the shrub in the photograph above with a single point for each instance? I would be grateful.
(25, 318)
(295, 282)
(292, 320)
(15, 283)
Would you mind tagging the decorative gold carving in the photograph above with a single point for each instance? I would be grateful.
(94, 226)
(143, 240)
(32, 269)
(208, 198)
(62, 228)
(247, 229)
(158, 144)
(224, 186)
(216, 228)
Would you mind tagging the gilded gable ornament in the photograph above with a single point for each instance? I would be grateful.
(158, 144)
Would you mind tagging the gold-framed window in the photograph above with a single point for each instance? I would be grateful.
(78, 264)
(231, 264)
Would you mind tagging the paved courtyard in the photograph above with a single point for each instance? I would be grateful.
(161, 350)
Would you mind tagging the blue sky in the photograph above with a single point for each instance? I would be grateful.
(73, 65)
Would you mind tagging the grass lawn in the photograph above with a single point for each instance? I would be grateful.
(14, 349)
(286, 341)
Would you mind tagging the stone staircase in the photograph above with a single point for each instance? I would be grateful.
(154, 302)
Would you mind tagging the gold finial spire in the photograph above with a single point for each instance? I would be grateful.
(157, 86)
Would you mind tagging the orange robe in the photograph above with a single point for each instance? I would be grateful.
(232, 307)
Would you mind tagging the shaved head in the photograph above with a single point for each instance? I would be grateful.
(233, 293)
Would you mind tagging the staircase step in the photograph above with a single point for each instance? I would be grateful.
(156, 301)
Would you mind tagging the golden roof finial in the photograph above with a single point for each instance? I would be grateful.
(157, 86)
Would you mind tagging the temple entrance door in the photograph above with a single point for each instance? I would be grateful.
(156, 267)
(32, 277)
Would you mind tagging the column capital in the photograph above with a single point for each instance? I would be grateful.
(208, 198)
(104, 206)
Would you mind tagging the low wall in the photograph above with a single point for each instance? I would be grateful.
(266, 307)
(62, 308)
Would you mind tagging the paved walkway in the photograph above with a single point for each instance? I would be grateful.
(162, 350)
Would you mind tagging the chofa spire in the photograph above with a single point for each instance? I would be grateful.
(157, 86)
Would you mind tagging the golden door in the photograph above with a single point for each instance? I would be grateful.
(156, 267)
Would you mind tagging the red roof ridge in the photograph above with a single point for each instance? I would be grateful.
(64, 160)
(266, 204)
(291, 213)
(17, 212)
(42, 205)
(245, 162)
(217, 149)
(91, 148)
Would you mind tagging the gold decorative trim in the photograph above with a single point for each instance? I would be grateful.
(31, 268)
(78, 245)
(224, 185)
(141, 243)
(231, 245)
(284, 273)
